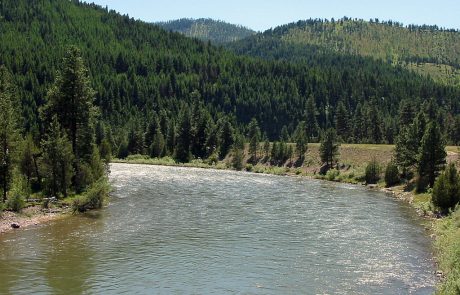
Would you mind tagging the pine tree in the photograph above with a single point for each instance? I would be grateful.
(184, 139)
(171, 138)
(432, 156)
(284, 134)
(254, 137)
(211, 138)
(329, 148)
(358, 125)
(238, 152)
(27, 162)
(301, 141)
(407, 148)
(71, 100)
(135, 140)
(158, 145)
(8, 130)
(266, 148)
(57, 160)
(310, 119)
(374, 125)
(341, 122)
(106, 152)
(446, 190)
(406, 114)
(226, 138)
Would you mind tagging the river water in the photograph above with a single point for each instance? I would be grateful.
(172, 230)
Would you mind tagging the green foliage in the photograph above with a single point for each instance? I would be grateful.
(207, 29)
(238, 153)
(446, 190)
(183, 139)
(254, 138)
(391, 174)
(311, 129)
(27, 158)
(407, 148)
(20, 190)
(123, 149)
(105, 151)
(342, 121)
(447, 231)
(225, 137)
(137, 83)
(70, 100)
(158, 145)
(93, 198)
(372, 174)
(329, 148)
(432, 156)
(279, 153)
(8, 130)
(332, 174)
(425, 49)
(57, 160)
(301, 140)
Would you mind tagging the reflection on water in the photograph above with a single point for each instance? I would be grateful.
(177, 230)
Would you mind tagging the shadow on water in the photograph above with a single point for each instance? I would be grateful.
(54, 258)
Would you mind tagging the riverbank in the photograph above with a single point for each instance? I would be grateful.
(31, 216)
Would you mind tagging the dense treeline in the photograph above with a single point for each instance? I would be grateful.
(160, 93)
(206, 29)
(67, 160)
(386, 40)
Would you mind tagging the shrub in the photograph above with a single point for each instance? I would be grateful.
(19, 191)
(372, 174)
(332, 174)
(93, 198)
(249, 167)
(391, 175)
(446, 190)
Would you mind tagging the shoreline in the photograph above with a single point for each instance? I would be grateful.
(29, 217)
(35, 215)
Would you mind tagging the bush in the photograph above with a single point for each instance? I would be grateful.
(332, 174)
(446, 190)
(372, 174)
(249, 167)
(19, 191)
(391, 175)
(93, 198)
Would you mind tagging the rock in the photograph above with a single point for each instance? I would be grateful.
(15, 225)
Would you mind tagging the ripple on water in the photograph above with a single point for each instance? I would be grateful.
(185, 230)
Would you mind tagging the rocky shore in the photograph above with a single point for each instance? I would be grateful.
(30, 216)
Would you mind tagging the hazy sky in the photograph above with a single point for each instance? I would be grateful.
(264, 14)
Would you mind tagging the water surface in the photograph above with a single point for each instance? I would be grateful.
(193, 231)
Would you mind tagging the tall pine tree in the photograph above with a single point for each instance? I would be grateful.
(8, 130)
(432, 156)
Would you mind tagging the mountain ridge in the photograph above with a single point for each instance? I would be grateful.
(207, 29)
(427, 50)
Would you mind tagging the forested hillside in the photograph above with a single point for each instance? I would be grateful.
(205, 29)
(153, 84)
(425, 49)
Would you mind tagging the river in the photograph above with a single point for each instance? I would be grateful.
(195, 231)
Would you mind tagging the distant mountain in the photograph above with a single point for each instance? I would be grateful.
(208, 29)
(424, 49)
(147, 79)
